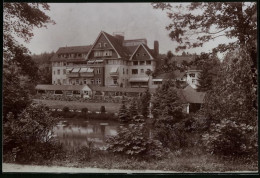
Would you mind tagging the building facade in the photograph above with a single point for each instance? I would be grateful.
(111, 61)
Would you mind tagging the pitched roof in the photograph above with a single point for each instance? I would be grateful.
(118, 45)
(74, 49)
(190, 95)
(177, 74)
(69, 50)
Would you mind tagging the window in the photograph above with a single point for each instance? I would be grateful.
(141, 62)
(123, 71)
(157, 83)
(92, 81)
(76, 92)
(135, 63)
(64, 81)
(99, 45)
(86, 92)
(98, 71)
(134, 71)
(107, 53)
(77, 81)
(58, 71)
(148, 62)
(98, 81)
(98, 53)
(65, 63)
(53, 82)
(115, 81)
(85, 81)
(54, 72)
(137, 54)
(192, 75)
(64, 71)
(61, 63)
(58, 81)
(105, 44)
(144, 54)
(126, 71)
(142, 70)
(58, 55)
(193, 81)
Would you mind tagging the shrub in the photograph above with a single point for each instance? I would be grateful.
(135, 142)
(29, 137)
(65, 109)
(102, 109)
(229, 138)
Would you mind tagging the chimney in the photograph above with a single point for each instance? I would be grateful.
(156, 48)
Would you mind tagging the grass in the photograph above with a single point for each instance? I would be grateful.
(181, 163)
(110, 107)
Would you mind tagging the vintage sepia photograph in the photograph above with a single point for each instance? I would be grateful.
(130, 87)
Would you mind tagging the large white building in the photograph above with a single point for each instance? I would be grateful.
(111, 61)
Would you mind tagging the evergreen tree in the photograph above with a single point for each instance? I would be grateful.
(204, 81)
(123, 114)
(133, 109)
(145, 103)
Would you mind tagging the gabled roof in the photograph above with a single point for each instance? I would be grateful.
(146, 48)
(190, 95)
(118, 45)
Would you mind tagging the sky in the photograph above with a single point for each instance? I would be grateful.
(80, 23)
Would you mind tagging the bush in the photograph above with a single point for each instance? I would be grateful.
(65, 109)
(229, 138)
(102, 109)
(29, 137)
(135, 142)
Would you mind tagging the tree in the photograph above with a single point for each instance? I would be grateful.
(229, 106)
(30, 137)
(84, 111)
(133, 109)
(123, 114)
(145, 103)
(215, 19)
(18, 68)
(19, 21)
(204, 81)
(102, 109)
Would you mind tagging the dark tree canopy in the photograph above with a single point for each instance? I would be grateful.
(19, 21)
(195, 23)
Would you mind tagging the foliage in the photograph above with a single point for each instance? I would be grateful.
(231, 101)
(133, 108)
(145, 103)
(102, 109)
(167, 112)
(134, 142)
(66, 109)
(29, 137)
(15, 97)
(229, 138)
(123, 114)
(215, 19)
(84, 111)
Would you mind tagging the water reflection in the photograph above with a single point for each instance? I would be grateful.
(73, 133)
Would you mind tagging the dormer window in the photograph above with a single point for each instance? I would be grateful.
(105, 44)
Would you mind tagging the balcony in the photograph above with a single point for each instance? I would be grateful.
(71, 75)
(87, 74)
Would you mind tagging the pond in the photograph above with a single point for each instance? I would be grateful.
(75, 133)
